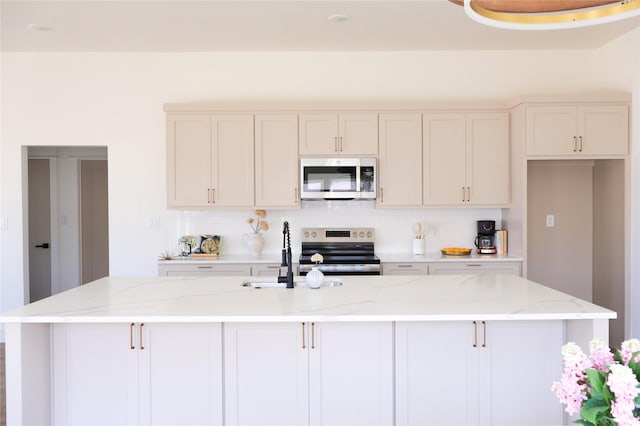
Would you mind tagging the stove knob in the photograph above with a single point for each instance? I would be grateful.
(354, 234)
(314, 234)
(306, 234)
(369, 234)
(361, 234)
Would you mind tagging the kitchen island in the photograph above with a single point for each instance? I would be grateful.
(376, 350)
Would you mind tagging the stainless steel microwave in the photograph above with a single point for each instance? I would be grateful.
(338, 178)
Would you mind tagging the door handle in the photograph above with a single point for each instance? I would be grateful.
(43, 245)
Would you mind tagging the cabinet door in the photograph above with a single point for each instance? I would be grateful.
(266, 374)
(551, 130)
(358, 134)
(488, 159)
(351, 374)
(318, 134)
(95, 374)
(444, 159)
(204, 270)
(276, 144)
(475, 267)
(400, 160)
(518, 364)
(604, 129)
(180, 374)
(436, 374)
(402, 268)
(188, 160)
(232, 171)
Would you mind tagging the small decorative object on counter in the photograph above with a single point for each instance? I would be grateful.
(166, 255)
(315, 277)
(189, 244)
(418, 239)
(258, 224)
(254, 241)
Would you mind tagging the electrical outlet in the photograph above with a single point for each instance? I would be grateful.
(153, 222)
(551, 221)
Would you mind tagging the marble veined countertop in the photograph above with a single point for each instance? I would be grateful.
(361, 298)
(384, 257)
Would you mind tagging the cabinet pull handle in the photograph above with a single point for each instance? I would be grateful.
(580, 146)
(382, 195)
(475, 334)
(205, 267)
(340, 144)
(484, 331)
(313, 335)
(575, 143)
(131, 346)
(335, 144)
(295, 195)
(463, 194)
(208, 195)
(303, 339)
(405, 266)
(476, 265)
(141, 344)
(213, 195)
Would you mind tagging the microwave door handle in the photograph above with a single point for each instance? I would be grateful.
(358, 171)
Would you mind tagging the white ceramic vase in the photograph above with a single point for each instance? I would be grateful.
(254, 243)
(314, 278)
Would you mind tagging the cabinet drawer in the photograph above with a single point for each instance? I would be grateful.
(405, 268)
(478, 267)
(204, 270)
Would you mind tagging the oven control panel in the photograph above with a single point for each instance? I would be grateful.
(338, 235)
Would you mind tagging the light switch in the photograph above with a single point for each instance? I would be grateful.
(4, 223)
(153, 222)
(551, 221)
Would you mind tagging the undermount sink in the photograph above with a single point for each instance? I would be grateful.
(300, 282)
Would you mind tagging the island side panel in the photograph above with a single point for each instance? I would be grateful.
(582, 331)
(28, 367)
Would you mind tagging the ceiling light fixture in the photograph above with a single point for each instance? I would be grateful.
(560, 16)
(338, 18)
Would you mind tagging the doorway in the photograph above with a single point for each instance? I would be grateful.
(77, 254)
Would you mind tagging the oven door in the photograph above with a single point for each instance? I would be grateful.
(342, 269)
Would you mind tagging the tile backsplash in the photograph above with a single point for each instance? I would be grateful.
(394, 227)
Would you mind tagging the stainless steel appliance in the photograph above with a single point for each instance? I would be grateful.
(346, 251)
(337, 178)
(485, 241)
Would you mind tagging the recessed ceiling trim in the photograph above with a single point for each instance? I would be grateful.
(550, 21)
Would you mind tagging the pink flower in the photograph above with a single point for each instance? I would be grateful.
(628, 348)
(623, 383)
(572, 389)
(601, 355)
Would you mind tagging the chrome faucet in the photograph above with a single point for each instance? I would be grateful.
(286, 256)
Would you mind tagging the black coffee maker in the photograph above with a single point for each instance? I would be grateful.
(485, 241)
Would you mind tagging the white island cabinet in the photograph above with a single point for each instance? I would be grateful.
(137, 374)
(295, 373)
(378, 350)
(477, 373)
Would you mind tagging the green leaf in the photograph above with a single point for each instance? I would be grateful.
(596, 379)
(592, 408)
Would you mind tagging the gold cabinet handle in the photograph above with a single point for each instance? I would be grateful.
(580, 146)
(141, 344)
(295, 195)
(208, 195)
(484, 332)
(464, 193)
(303, 339)
(468, 194)
(313, 335)
(131, 346)
(575, 143)
(382, 195)
(340, 144)
(213, 195)
(475, 334)
(335, 144)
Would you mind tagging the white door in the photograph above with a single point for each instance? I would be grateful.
(95, 374)
(351, 374)
(520, 361)
(39, 230)
(266, 374)
(180, 374)
(437, 374)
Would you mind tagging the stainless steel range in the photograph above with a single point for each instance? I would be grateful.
(346, 251)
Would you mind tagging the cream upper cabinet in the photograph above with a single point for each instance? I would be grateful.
(210, 160)
(400, 160)
(339, 134)
(577, 130)
(466, 159)
(276, 159)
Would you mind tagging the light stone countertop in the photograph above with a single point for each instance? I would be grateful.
(384, 257)
(361, 298)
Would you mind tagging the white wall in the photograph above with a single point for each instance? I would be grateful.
(619, 68)
(115, 100)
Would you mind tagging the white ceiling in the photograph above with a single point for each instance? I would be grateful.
(229, 25)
